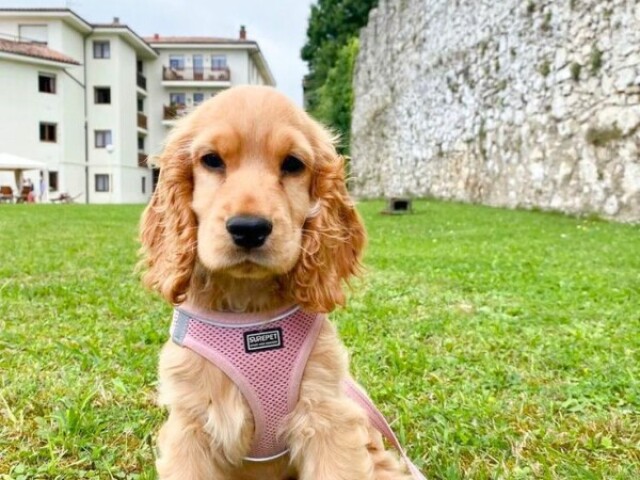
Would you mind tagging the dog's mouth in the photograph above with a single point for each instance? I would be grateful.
(256, 256)
(250, 269)
(254, 263)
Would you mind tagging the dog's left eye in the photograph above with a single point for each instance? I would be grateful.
(213, 161)
(291, 165)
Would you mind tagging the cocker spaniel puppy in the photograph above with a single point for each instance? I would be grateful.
(251, 234)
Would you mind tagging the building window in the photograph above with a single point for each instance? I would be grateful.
(53, 181)
(198, 98)
(46, 83)
(141, 144)
(33, 33)
(176, 62)
(144, 185)
(198, 63)
(178, 99)
(103, 138)
(218, 62)
(102, 182)
(101, 49)
(141, 105)
(48, 132)
(102, 95)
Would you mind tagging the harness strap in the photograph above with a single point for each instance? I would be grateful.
(353, 390)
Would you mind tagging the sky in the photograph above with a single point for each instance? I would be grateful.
(279, 26)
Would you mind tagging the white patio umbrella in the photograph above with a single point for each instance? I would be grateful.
(16, 164)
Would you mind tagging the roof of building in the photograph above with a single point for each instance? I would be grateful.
(131, 37)
(64, 13)
(213, 40)
(143, 45)
(34, 50)
(37, 9)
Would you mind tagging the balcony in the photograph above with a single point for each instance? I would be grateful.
(174, 112)
(142, 159)
(142, 121)
(218, 77)
(141, 81)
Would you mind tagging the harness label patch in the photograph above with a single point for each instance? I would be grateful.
(263, 340)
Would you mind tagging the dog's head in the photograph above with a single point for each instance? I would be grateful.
(251, 187)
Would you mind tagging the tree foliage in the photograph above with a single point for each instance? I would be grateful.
(335, 96)
(330, 54)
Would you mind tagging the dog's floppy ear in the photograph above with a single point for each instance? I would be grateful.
(333, 236)
(168, 227)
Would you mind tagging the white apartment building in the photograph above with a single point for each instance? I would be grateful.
(93, 101)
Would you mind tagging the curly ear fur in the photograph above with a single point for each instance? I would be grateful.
(168, 230)
(332, 241)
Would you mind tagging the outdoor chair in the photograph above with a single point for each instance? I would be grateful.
(65, 198)
(6, 194)
(24, 194)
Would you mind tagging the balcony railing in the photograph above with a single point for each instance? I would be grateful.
(141, 81)
(142, 120)
(142, 159)
(196, 74)
(174, 112)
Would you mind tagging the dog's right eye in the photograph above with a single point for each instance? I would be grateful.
(213, 161)
(292, 165)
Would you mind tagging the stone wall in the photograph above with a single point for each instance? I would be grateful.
(508, 103)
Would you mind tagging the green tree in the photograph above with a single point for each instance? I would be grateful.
(332, 26)
(335, 96)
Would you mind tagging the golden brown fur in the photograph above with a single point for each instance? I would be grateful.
(314, 248)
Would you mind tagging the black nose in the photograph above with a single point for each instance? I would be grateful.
(248, 231)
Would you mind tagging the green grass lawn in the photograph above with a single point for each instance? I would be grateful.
(504, 345)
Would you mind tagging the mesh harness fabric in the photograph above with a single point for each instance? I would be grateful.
(265, 359)
(265, 356)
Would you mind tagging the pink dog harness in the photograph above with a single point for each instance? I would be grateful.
(265, 356)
